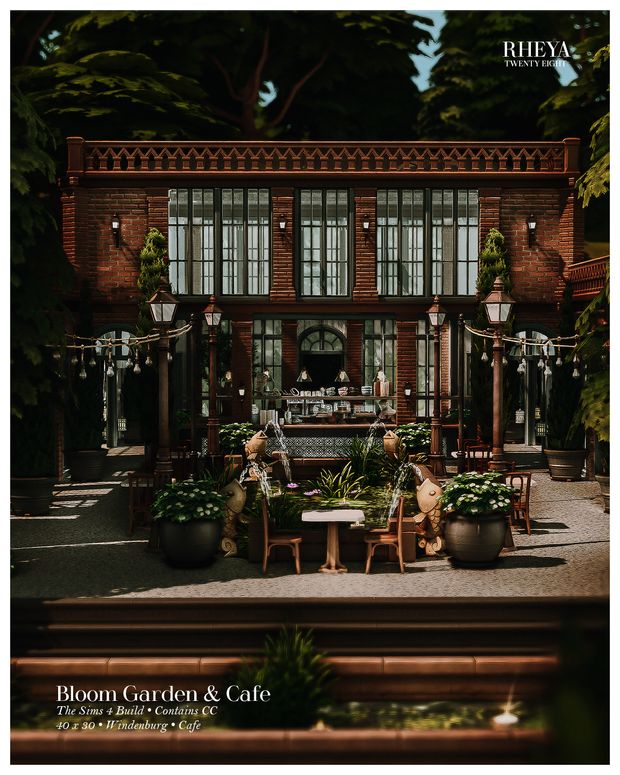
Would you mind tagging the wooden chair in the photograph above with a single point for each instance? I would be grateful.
(280, 539)
(390, 536)
(521, 482)
(477, 457)
(141, 494)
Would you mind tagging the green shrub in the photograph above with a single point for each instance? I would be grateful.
(344, 485)
(296, 676)
(234, 435)
(285, 511)
(416, 437)
(185, 501)
(367, 461)
(472, 494)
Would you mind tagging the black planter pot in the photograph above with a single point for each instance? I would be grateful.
(604, 483)
(31, 495)
(87, 465)
(476, 540)
(565, 465)
(189, 544)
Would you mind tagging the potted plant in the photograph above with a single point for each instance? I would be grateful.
(32, 461)
(189, 515)
(84, 412)
(476, 506)
(84, 429)
(565, 432)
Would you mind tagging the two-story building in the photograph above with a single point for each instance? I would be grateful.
(324, 257)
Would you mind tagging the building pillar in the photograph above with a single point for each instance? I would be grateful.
(353, 365)
(365, 251)
(242, 369)
(283, 252)
(406, 340)
(289, 353)
(489, 200)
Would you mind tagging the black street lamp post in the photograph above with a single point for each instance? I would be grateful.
(163, 306)
(498, 305)
(213, 316)
(436, 316)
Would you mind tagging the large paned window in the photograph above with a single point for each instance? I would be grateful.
(400, 242)
(219, 241)
(267, 350)
(425, 370)
(324, 233)
(380, 350)
(427, 242)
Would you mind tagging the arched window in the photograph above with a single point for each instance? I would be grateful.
(321, 340)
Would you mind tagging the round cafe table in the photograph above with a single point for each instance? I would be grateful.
(333, 517)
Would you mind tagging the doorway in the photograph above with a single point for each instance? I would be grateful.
(534, 383)
(321, 352)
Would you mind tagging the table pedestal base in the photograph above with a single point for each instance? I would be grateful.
(332, 562)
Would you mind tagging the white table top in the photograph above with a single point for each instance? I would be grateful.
(333, 515)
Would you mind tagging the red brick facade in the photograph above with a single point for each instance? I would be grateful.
(513, 181)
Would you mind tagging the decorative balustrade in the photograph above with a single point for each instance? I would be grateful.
(588, 277)
(346, 158)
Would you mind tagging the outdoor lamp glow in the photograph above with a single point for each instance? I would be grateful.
(212, 313)
(342, 377)
(116, 229)
(366, 223)
(408, 390)
(304, 376)
(282, 225)
(163, 304)
(241, 391)
(436, 313)
(498, 304)
(531, 229)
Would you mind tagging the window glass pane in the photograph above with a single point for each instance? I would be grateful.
(324, 242)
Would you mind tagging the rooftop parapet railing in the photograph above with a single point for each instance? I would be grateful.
(588, 277)
(97, 157)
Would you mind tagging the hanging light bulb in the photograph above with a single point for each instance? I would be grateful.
(148, 360)
(558, 361)
(82, 373)
(74, 360)
(136, 368)
(56, 355)
(110, 369)
(484, 357)
(492, 364)
(169, 357)
(92, 362)
(504, 361)
(576, 373)
(521, 367)
(129, 360)
(541, 363)
(547, 371)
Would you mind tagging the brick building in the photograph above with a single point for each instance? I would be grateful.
(322, 255)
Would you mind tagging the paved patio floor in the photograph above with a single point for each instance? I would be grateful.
(81, 549)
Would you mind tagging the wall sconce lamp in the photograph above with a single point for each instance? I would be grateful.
(366, 226)
(531, 230)
(116, 229)
(241, 391)
(282, 225)
(408, 390)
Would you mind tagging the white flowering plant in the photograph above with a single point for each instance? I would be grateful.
(474, 494)
(189, 500)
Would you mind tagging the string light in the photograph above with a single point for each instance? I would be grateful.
(169, 357)
(521, 367)
(129, 360)
(484, 357)
(110, 369)
(92, 362)
(56, 355)
(547, 371)
(504, 361)
(74, 360)
(558, 361)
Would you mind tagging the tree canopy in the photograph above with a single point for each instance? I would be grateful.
(246, 74)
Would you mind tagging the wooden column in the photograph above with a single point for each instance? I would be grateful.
(242, 369)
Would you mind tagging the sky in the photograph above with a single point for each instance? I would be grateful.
(425, 63)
